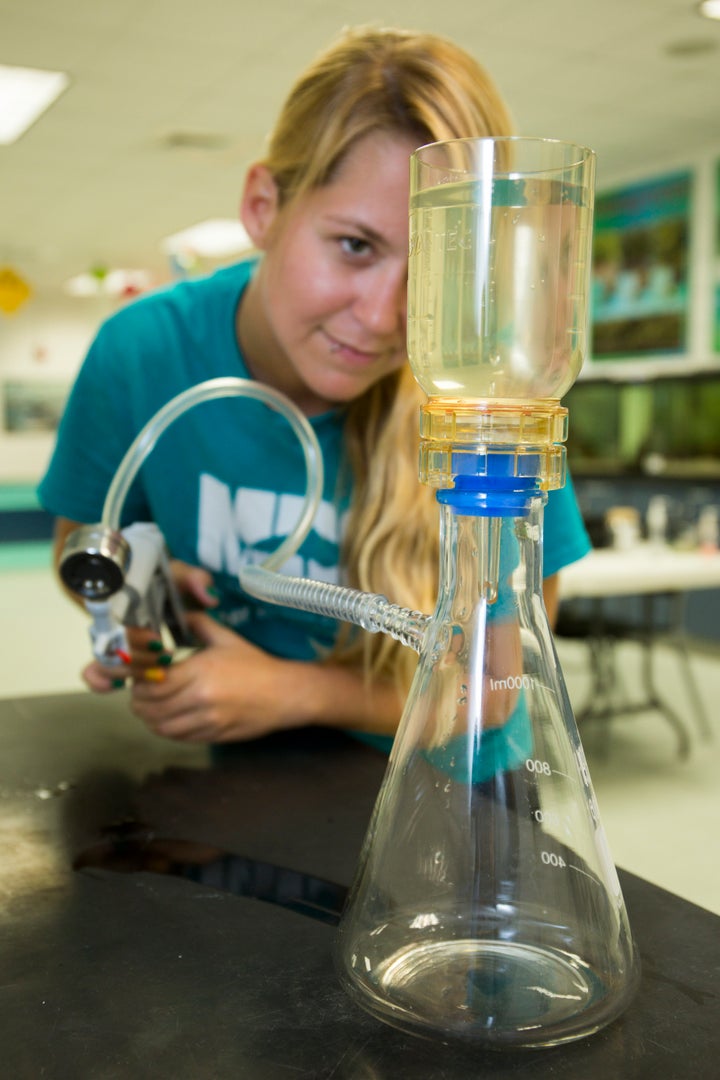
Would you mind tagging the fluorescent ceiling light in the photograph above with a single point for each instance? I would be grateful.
(25, 93)
(212, 239)
(710, 9)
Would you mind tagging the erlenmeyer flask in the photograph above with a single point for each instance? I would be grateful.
(486, 905)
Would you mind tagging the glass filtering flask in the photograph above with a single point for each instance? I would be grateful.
(486, 905)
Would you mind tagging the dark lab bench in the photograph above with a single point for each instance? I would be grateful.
(170, 913)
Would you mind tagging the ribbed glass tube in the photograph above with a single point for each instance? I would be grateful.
(371, 611)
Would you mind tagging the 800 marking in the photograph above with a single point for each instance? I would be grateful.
(534, 765)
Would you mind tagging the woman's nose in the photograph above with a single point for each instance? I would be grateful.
(381, 304)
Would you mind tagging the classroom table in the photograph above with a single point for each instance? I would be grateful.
(170, 912)
(661, 577)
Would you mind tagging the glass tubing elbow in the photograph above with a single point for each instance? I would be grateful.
(370, 611)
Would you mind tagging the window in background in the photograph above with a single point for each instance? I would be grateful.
(668, 426)
(716, 335)
(687, 413)
(594, 426)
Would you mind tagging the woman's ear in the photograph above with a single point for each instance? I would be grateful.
(259, 204)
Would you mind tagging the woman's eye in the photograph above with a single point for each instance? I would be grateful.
(354, 245)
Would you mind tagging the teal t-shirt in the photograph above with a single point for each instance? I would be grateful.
(226, 481)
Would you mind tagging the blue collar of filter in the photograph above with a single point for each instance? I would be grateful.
(499, 494)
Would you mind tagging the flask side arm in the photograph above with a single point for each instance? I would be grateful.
(371, 611)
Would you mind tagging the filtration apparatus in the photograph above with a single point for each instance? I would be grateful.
(486, 905)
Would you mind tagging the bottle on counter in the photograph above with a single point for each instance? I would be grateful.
(656, 520)
(708, 529)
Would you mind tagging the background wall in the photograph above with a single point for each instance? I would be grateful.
(42, 343)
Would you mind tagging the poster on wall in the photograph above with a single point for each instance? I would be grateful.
(32, 405)
(641, 241)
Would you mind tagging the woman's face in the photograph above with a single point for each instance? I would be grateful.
(326, 313)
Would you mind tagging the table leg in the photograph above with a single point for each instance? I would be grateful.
(604, 700)
(654, 699)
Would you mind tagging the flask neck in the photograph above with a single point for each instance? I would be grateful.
(493, 558)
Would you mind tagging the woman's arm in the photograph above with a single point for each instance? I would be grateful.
(232, 690)
(551, 596)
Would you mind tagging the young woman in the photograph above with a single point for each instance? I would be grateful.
(319, 315)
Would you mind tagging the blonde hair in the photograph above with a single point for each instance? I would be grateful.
(406, 83)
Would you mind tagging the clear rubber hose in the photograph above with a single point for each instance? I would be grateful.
(370, 611)
(208, 391)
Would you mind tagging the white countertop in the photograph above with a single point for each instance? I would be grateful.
(645, 568)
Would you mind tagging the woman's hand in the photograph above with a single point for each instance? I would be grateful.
(148, 652)
(231, 690)
(194, 583)
(228, 690)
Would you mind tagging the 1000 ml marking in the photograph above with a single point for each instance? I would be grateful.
(514, 682)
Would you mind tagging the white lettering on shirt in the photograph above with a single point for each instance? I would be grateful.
(243, 529)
